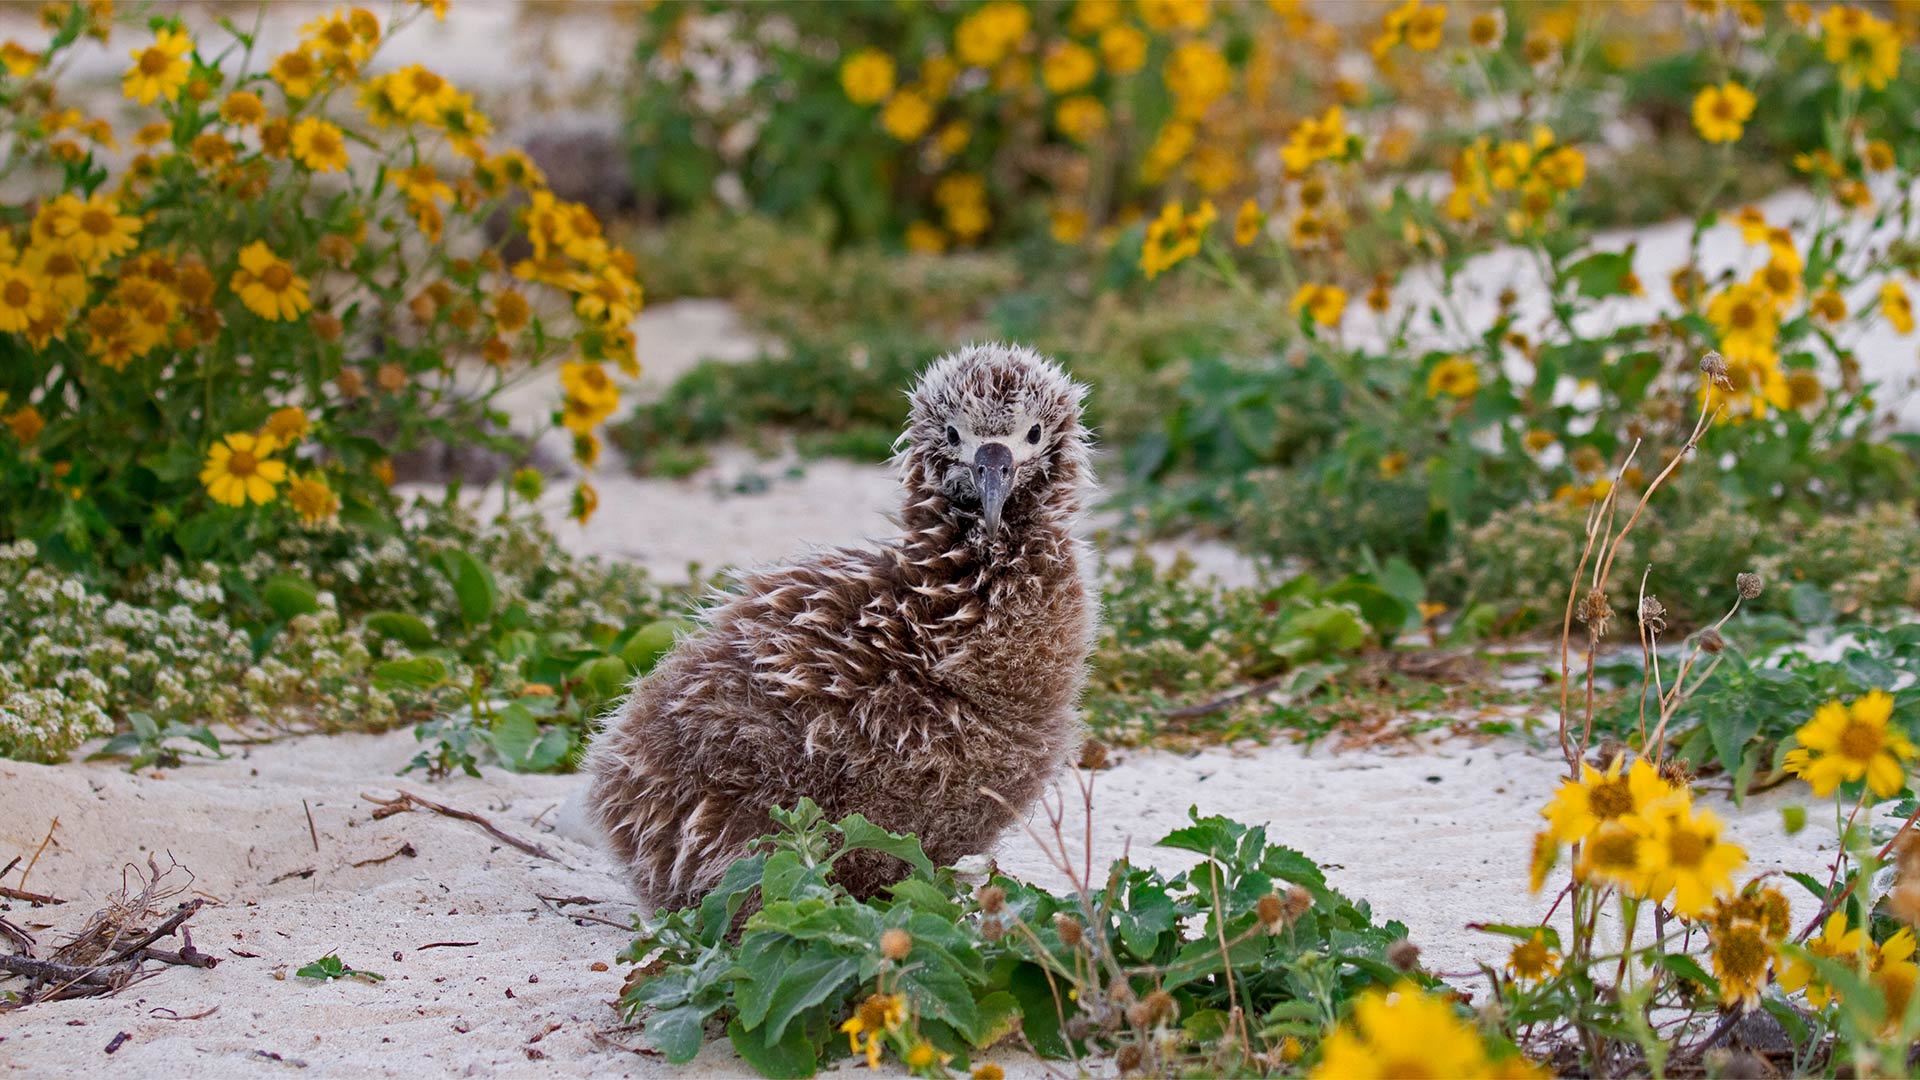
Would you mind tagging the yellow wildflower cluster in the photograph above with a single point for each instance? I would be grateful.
(1889, 967)
(76, 272)
(1538, 172)
(1174, 237)
(1641, 834)
(1847, 742)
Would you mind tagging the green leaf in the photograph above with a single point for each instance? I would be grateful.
(602, 679)
(1686, 967)
(792, 1055)
(410, 630)
(999, 1016)
(649, 643)
(473, 586)
(1040, 1011)
(418, 672)
(1601, 274)
(678, 1033)
(780, 977)
(288, 596)
(857, 833)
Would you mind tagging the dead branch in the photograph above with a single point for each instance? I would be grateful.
(167, 926)
(406, 800)
(404, 849)
(10, 893)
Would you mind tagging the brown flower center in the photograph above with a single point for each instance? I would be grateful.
(243, 463)
(153, 62)
(1403, 1069)
(96, 222)
(16, 294)
(1611, 798)
(276, 277)
(1743, 316)
(1860, 742)
(1686, 848)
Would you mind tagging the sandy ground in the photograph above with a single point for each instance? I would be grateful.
(1434, 835)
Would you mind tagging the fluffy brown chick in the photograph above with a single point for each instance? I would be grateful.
(895, 681)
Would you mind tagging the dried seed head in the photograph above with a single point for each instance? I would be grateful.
(1714, 367)
(1299, 901)
(1596, 611)
(992, 899)
(1711, 641)
(1270, 910)
(895, 943)
(1139, 1015)
(1078, 1028)
(1676, 772)
(1160, 1006)
(1069, 929)
(1120, 993)
(1403, 955)
(1653, 615)
(992, 929)
(1094, 756)
(1129, 1058)
(1906, 854)
(1750, 585)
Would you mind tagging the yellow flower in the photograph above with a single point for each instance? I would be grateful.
(1315, 139)
(1081, 117)
(1068, 225)
(907, 116)
(591, 396)
(926, 237)
(1323, 303)
(984, 37)
(1581, 806)
(1196, 75)
(1680, 852)
(1174, 237)
(1897, 306)
(1878, 156)
(59, 273)
(1836, 942)
(319, 145)
(1720, 113)
(874, 1018)
(243, 108)
(1533, 960)
(1067, 66)
(1546, 855)
(22, 300)
(26, 423)
(312, 499)
(1844, 743)
(94, 230)
(1123, 49)
(297, 73)
(1748, 325)
(239, 470)
(1176, 14)
(158, 70)
(19, 61)
(286, 426)
(1745, 931)
(268, 286)
(1422, 25)
(1091, 15)
(1894, 974)
(1455, 377)
(1407, 1032)
(1864, 47)
(867, 77)
(1247, 223)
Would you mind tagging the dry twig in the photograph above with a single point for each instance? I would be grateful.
(406, 800)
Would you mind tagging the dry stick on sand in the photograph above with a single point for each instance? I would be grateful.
(406, 800)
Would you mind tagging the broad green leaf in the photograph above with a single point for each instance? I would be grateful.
(678, 1032)
(780, 977)
(408, 629)
(649, 643)
(288, 596)
(419, 672)
(473, 586)
(792, 1055)
(859, 833)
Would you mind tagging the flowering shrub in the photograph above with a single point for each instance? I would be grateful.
(934, 124)
(1482, 401)
(223, 336)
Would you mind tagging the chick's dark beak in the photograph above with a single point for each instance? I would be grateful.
(992, 478)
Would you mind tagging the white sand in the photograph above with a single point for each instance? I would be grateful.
(1435, 836)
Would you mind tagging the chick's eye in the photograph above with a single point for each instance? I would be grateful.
(1033, 434)
(953, 436)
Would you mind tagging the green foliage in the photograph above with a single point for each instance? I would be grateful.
(496, 640)
(1170, 640)
(1751, 699)
(331, 967)
(779, 955)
